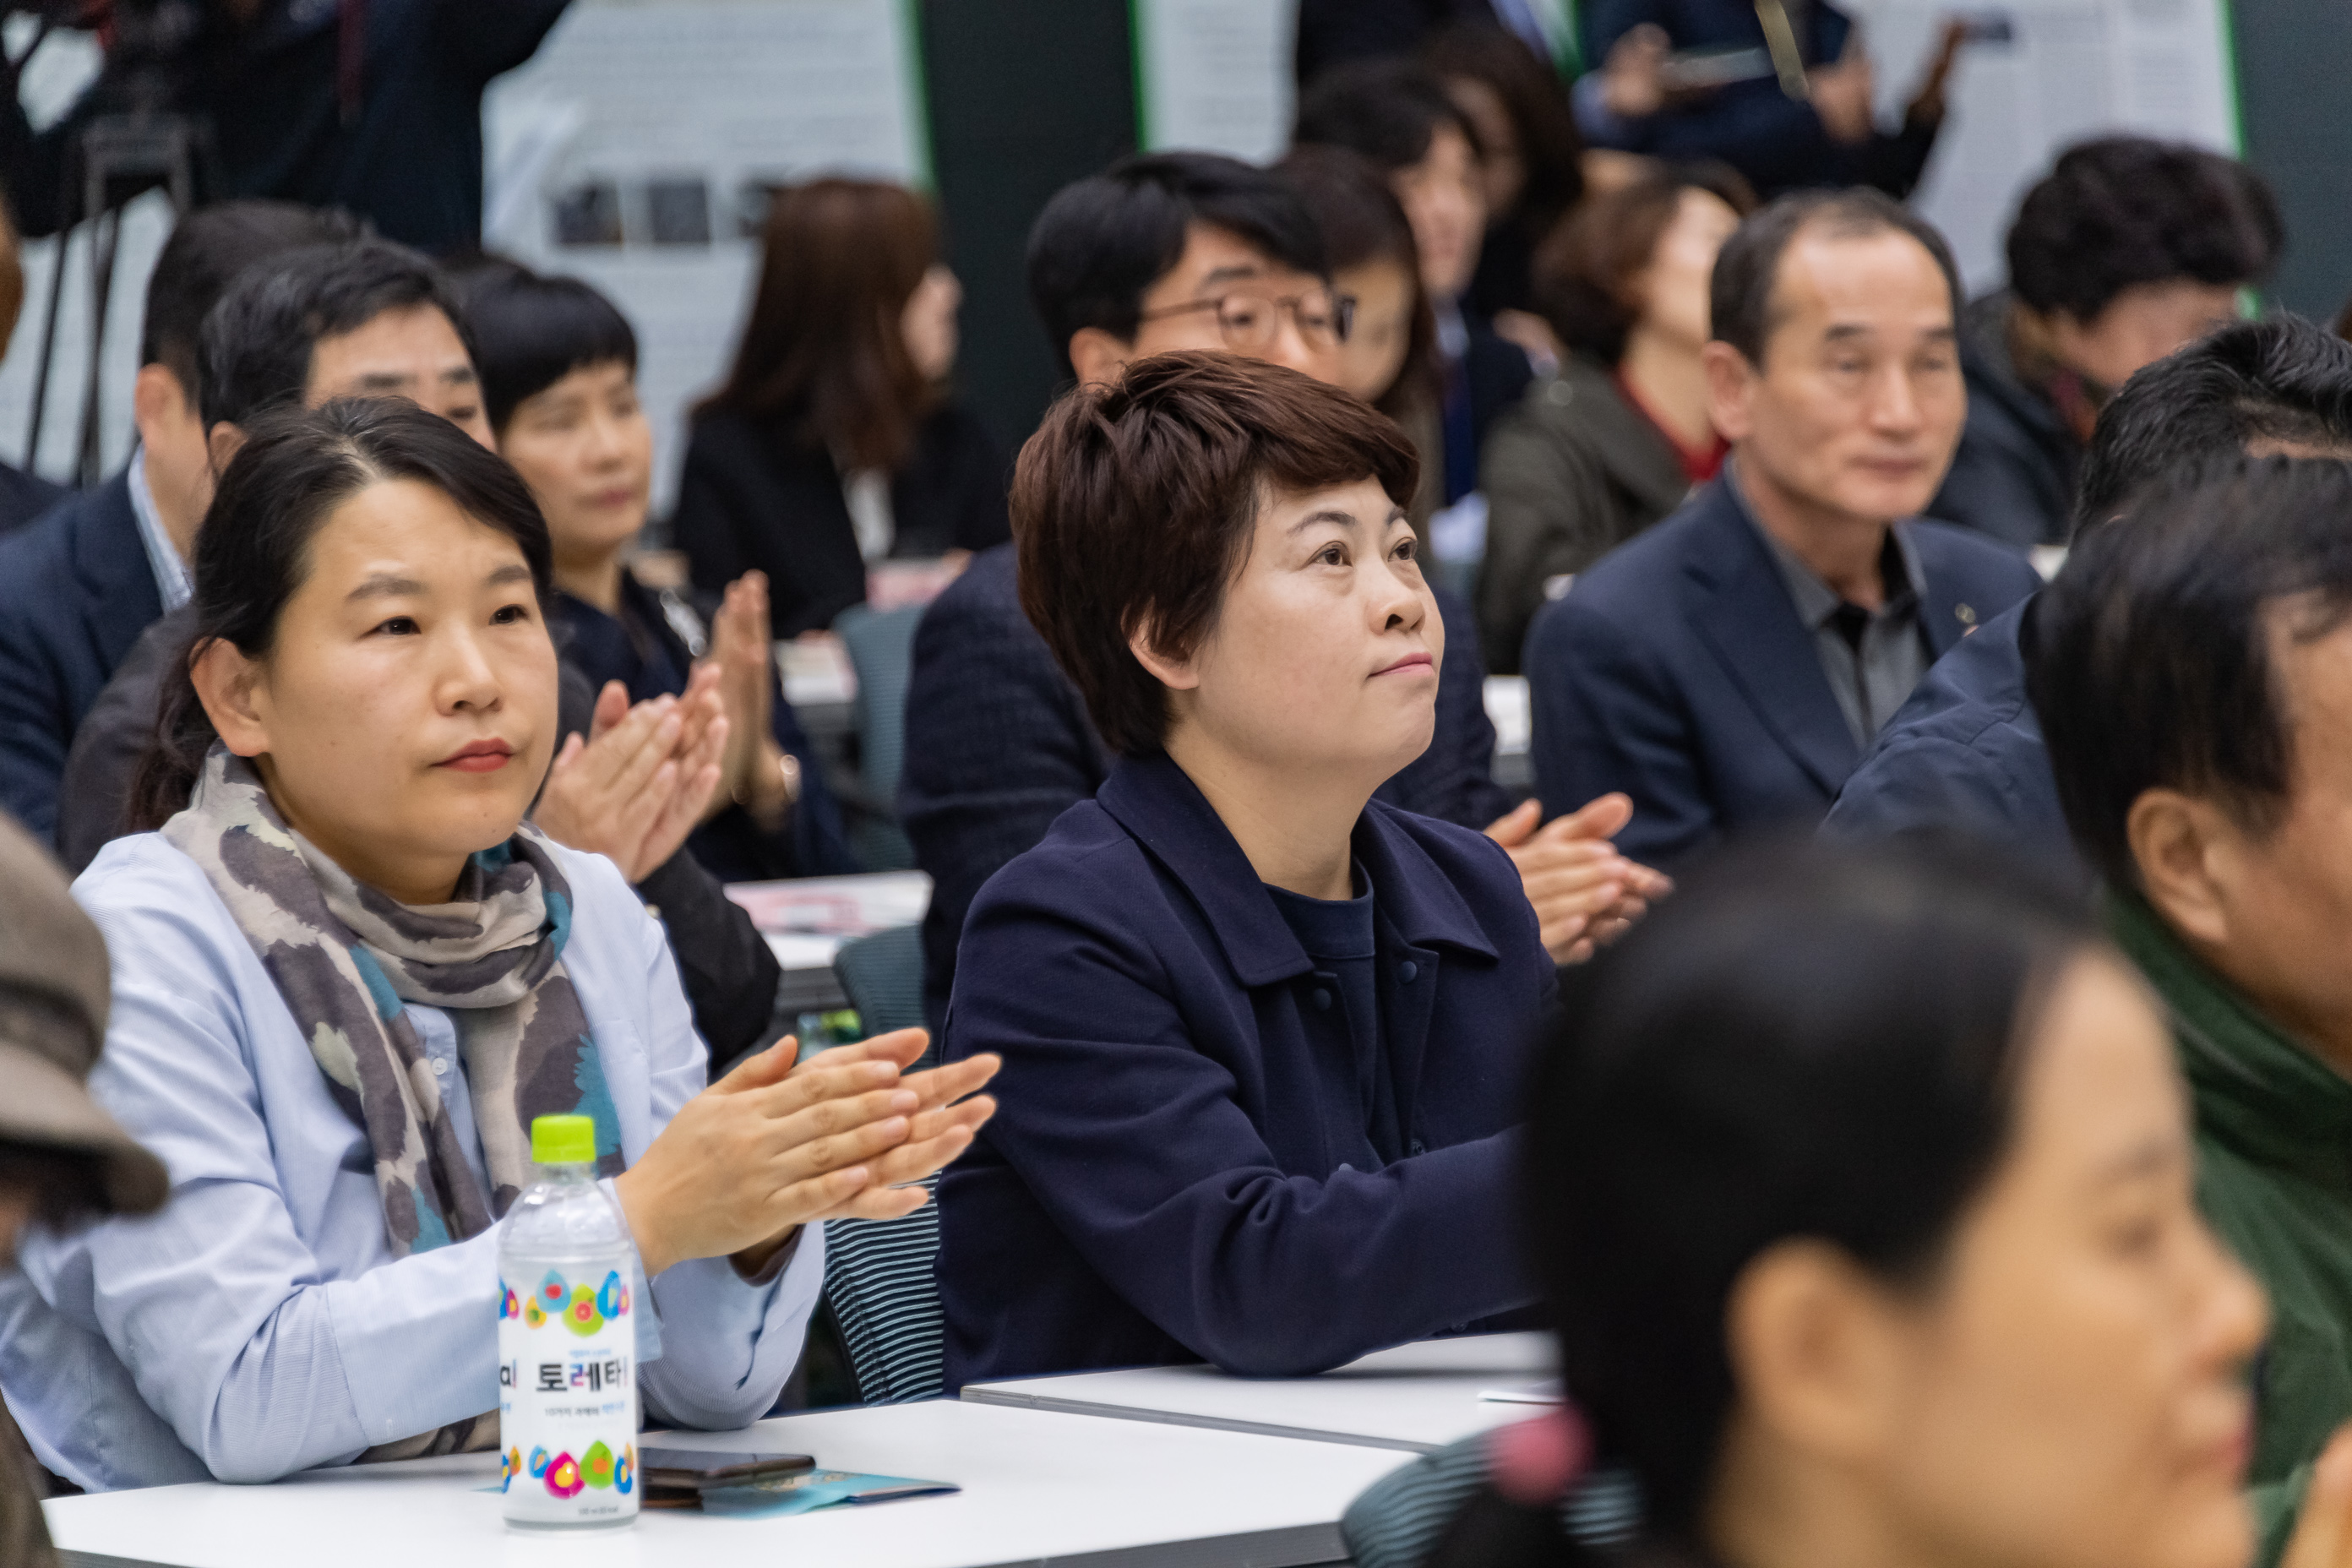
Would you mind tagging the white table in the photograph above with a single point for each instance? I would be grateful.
(1037, 1488)
(1416, 1397)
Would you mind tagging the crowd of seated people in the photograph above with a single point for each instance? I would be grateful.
(1897, 1051)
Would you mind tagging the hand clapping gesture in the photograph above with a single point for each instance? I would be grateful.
(755, 772)
(773, 1146)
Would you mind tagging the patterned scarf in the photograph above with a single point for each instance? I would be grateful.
(347, 959)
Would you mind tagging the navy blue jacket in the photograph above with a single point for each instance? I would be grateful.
(1677, 671)
(76, 590)
(1175, 1173)
(1964, 755)
(999, 745)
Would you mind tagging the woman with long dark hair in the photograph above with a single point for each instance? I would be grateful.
(834, 445)
(348, 976)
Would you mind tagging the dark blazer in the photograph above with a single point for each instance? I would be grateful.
(999, 745)
(24, 496)
(2013, 477)
(1571, 473)
(1964, 755)
(728, 969)
(1677, 671)
(747, 499)
(646, 654)
(76, 590)
(1175, 1171)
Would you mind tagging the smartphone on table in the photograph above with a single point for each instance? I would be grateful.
(681, 1471)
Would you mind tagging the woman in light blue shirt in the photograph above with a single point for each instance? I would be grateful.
(346, 978)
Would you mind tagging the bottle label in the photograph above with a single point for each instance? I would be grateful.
(568, 1400)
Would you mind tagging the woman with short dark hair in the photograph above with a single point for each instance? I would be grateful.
(833, 446)
(347, 979)
(1614, 441)
(559, 368)
(1262, 1033)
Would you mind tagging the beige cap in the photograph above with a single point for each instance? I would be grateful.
(53, 1003)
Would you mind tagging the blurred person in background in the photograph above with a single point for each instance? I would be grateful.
(1533, 165)
(2127, 250)
(1398, 114)
(80, 585)
(1797, 111)
(559, 368)
(834, 445)
(1390, 357)
(375, 108)
(1620, 437)
(1331, 31)
(23, 495)
(1965, 754)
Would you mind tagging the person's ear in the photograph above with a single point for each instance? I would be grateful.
(1097, 357)
(228, 684)
(2182, 846)
(1176, 674)
(158, 403)
(1731, 389)
(1818, 1351)
(221, 443)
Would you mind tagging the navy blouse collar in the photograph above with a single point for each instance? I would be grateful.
(1154, 800)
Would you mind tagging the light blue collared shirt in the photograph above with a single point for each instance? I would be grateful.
(260, 1323)
(162, 555)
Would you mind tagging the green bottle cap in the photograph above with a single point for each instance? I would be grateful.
(563, 1140)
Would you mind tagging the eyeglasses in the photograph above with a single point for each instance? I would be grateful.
(1249, 322)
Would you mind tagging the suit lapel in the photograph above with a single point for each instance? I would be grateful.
(1749, 624)
(1944, 614)
(110, 559)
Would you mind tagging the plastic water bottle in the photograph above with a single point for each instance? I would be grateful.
(567, 1342)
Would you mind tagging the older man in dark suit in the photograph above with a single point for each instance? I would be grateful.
(1727, 668)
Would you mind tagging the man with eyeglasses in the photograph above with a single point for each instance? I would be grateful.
(1166, 251)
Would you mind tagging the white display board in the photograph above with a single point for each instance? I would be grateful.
(1213, 75)
(2053, 72)
(624, 152)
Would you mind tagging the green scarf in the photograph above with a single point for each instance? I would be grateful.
(2274, 1178)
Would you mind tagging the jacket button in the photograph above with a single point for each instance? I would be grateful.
(1417, 1147)
(1322, 998)
(1407, 970)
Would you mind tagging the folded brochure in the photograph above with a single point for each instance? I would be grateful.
(805, 1491)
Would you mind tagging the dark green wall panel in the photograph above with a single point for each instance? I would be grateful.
(1025, 96)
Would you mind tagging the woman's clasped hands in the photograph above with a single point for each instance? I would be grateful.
(773, 1146)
